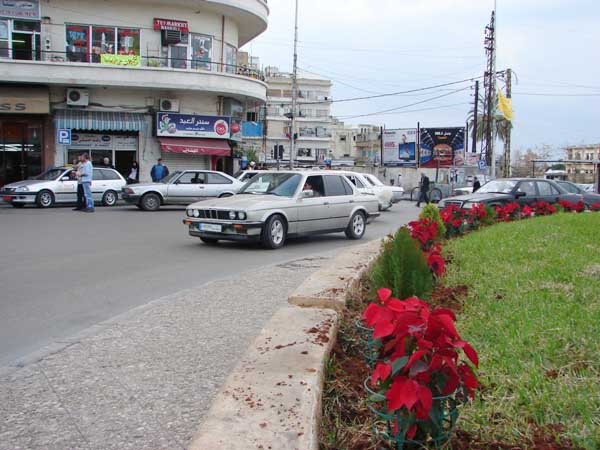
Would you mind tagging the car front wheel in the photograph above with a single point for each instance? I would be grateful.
(110, 198)
(150, 202)
(273, 235)
(45, 199)
(356, 227)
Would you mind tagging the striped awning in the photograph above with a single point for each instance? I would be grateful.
(99, 120)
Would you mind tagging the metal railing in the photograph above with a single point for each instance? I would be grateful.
(132, 60)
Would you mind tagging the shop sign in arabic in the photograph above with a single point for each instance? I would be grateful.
(23, 9)
(121, 60)
(191, 125)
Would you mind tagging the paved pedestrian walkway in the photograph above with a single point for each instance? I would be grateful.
(144, 379)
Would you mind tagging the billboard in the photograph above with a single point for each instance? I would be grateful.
(442, 147)
(191, 125)
(399, 147)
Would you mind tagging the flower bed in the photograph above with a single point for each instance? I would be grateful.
(422, 358)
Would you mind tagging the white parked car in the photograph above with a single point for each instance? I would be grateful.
(181, 188)
(384, 193)
(274, 205)
(59, 185)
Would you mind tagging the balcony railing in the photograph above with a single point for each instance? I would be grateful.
(132, 61)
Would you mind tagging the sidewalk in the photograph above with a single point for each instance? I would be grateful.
(144, 379)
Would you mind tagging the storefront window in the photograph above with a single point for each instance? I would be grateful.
(77, 43)
(129, 41)
(230, 58)
(86, 40)
(201, 52)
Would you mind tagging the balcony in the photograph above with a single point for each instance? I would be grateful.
(138, 72)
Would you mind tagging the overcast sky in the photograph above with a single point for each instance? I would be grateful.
(369, 47)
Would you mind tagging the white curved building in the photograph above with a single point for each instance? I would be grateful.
(134, 80)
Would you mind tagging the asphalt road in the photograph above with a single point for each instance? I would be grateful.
(63, 271)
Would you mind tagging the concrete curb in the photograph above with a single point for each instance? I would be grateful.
(272, 399)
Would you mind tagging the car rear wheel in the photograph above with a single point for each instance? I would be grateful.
(356, 227)
(44, 199)
(209, 241)
(150, 202)
(110, 198)
(273, 235)
(435, 195)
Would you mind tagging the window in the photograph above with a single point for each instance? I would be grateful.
(251, 116)
(97, 175)
(230, 58)
(4, 32)
(544, 188)
(86, 43)
(187, 178)
(215, 178)
(356, 181)
(273, 92)
(322, 113)
(109, 174)
(528, 187)
(335, 186)
(201, 47)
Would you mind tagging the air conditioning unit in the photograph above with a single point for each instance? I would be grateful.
(78, 97)
(169, 105)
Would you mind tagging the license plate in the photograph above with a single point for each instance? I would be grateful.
(215, 228)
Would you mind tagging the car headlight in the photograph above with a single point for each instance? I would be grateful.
(129, 191)
(22, 189)
(242, 215)
(189, 212)
(232, 215)
(196, 212)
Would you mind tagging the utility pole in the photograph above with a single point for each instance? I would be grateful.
(506, 169)
(475, 113)
(294, 91)
(489, 84)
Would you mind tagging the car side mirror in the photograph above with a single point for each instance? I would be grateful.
(66, 178)
(520, 194)
(307, 193)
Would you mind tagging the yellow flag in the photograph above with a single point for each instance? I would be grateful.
(505, 106)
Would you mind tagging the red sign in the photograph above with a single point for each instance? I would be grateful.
(169, 24)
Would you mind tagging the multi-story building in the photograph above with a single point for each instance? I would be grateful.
(313, 119)
(132, 80)
(368, 143)
(582, 163)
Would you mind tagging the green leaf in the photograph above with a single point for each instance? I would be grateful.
(399, 364)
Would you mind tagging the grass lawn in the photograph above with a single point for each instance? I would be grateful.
(533, 314)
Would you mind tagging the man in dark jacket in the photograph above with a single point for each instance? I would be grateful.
(476, 184)
(424, 190)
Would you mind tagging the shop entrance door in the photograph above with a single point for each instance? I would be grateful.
(123, 161)
(20, 151)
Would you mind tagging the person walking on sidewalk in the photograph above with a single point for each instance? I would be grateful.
(87, 171)
(134, 173)
(159, 171)
(423, 190)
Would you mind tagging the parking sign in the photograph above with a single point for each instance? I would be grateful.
(63, 136)
(481, 164)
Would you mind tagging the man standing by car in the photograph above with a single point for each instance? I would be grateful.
(87, 171)
(159, 171)
(424, 190)
(77, 174)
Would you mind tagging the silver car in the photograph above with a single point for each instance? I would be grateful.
(181, 188)
(59, 185)
(275, 205)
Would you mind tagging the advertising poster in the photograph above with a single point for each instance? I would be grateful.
(442, 147)
(399, 147)
(190, 125)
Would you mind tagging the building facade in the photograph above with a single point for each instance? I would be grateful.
(131, 81)
(582, 163)
(313, 121)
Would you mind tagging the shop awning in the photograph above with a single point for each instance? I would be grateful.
(99, 120)
(195, 146)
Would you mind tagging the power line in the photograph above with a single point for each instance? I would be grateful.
(410, 104)
(452, 105)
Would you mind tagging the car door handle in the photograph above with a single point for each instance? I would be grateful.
(200, 187)
(326, 203)
(351, 201)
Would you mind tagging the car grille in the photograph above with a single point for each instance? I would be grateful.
(458, 203)
(214, 214)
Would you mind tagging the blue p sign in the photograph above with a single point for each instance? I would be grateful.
(63, 136)
(481, 164)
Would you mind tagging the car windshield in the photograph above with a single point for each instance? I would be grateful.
(282, 184)
(374, 180)
(497, 187)
(170, 177)
(50, 174)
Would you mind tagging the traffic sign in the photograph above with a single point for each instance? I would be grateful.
(63, 136)
(481, 164)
